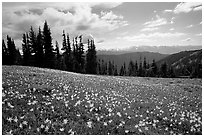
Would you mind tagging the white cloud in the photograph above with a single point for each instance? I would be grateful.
(187, 39)
(171, 29)
(153, 35)
(73, 17)
(149, 29)
(189, 26)
(187, 7)
(168, 11)
(154, 23)
(200, 34)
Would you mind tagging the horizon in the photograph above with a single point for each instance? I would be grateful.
(112, 25)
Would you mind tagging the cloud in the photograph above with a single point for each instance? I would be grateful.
(189, 26)
(187, 7)
(168, 11)
(171, 29)
(149, 29)
(154, 23)
(100, 41)
(153, 35)
(200, 34)
(187, 39)
(73, 17)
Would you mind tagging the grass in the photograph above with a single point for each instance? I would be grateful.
(44, 101)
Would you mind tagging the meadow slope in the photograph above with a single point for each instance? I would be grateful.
(46, 101)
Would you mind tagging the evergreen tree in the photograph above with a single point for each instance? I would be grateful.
(26, 50)
(154, 68)
(91, 60)
(115, 71)
(40, 50)
(124, 69)
(131, 68)
(144, 67)
(11, 51)
(140, 71)
(163, 70)
(57, 52)
(5, 56)
(110, 69)
(121, 71)
(136, 68)
(81, 59)
(47, 42)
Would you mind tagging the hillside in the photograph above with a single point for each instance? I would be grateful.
(134, 56)
(145, 48)
(45, 101)
(183, 60)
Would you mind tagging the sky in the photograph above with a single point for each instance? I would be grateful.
(111, 25)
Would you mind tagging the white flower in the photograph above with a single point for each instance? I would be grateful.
(65, 121)
(20, 125)
(118, 113)
(16, 119)
(136, 126)
(9, 119)
(42, 126)
(105, 124)
(9, 104)
(89, 124)
(61, 129)
(126, 131)
(46, 128)
(25, 122)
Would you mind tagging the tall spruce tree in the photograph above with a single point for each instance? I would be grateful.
(11, 51)
(131, 68)
(5, 56)
(39, 50)
(91, 60)
(48, 47)
(26, 50)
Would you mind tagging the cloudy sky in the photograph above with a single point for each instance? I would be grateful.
(113, 25)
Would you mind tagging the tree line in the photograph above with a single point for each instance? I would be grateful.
(141, 69)
(38, 51)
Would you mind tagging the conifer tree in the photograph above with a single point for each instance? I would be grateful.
(5, 56)
(11, 51)
(26, 50)
(136, 68)
(40, 49)
(115, 71)
(48, 47)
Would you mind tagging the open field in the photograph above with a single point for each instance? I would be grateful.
(45, 101)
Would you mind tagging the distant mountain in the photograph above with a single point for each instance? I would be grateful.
(143, 48)
(134, 56)
(183, 61)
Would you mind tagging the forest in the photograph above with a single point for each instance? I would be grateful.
(39, 51)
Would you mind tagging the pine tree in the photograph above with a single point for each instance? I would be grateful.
(140, 71)
(163, 70)
(154, 68)
(110, 69)
(131, 68)
(40, 50)
(121, 71)
(48, 47)
(136, 69)
(5, 56)
(124, 69)
(144, 67)
(81, 59)
(26, 50)
(11, 51)
(91, 60)
(115, 71)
